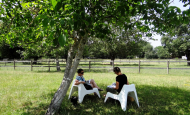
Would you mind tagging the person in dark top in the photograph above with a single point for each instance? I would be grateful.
(121, 80)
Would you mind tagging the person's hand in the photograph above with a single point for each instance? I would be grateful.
(114, 87)
(76, 82)
(81, 82)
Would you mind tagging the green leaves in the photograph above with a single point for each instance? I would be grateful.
(62, 22)
(57, 4)
(186, 12)
(19, 5)
(149, 34)
(8, 13)
(62, 40)
(55, 42)
(45, 22)
(52, 23)
(54, 3)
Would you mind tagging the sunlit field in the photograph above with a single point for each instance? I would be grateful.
(156, 64)
(26, 92)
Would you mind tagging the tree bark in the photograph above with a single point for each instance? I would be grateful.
(35, 60)
(188, 57)
(112, 59)
(68, 75)
(57, 63)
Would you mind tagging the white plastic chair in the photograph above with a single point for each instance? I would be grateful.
(127, 90)
(82, 91)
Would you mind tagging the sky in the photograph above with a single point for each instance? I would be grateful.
(158, 37)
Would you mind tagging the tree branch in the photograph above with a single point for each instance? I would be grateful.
(34, 17)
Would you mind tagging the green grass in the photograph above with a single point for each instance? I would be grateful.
(25, 92)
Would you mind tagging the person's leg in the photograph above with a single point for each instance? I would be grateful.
(111, 90)
(94, 85)
(130, 98)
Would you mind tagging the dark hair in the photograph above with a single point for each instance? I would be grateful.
(116, 69)
(79, 70)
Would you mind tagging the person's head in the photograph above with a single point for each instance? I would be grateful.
(116, 70)
(80, 72)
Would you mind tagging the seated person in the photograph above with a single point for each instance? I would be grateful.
(81, 79)
(121, 80)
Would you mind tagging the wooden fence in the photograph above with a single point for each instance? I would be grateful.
(30, 62)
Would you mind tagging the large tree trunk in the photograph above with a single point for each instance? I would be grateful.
(35, 60)
(112, 59)
(68, 75)
(188, 57)
(57, 63)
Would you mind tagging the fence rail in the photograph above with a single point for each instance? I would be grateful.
(90, 64)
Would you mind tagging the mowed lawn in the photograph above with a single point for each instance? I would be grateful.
(25, 92)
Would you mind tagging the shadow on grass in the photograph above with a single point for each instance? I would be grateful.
(134, 65)
(85, 70)
(117, 64)
(97, 70)
(153, 101)
(40, 109)
(51, 71)
(185, 65)
(45, 64)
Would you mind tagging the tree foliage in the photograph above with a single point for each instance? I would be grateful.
(178, 45)
(120, 45)
(7, 52)
(149, 52)
(161, 52)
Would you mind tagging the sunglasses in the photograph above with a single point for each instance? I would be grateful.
(82, 72)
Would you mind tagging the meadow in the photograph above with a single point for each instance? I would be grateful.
(25, 92)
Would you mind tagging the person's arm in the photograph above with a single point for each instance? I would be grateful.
(79, 82)
(117, 85)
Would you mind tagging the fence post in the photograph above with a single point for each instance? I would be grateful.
(139, 65)
(49, 64)
(14, 64)
(167, 67)
(31, 65)
(89, 65)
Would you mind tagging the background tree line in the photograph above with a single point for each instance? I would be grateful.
(122, 46)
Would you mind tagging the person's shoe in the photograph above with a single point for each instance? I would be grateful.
(100, 89)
